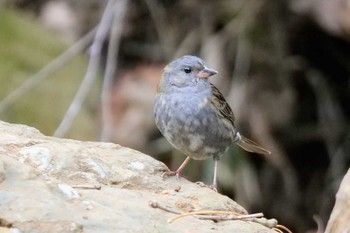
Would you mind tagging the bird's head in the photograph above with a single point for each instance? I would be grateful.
(185, 72)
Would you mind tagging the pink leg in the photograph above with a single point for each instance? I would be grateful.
(214, 184)
(182, 166)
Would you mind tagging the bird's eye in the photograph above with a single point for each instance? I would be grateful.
(187, 70)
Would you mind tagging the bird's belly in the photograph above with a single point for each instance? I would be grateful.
(194, 129)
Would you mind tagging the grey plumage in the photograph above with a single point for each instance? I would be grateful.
(193, 115)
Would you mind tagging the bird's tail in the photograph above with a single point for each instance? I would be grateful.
(250, 146)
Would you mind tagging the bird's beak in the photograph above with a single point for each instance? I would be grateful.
(206, 72)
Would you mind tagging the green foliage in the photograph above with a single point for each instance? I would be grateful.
(26, 47)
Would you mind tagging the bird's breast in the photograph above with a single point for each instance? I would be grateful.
(189, 123)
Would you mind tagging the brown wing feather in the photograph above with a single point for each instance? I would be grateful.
(220, 103)
(251, 146)
(225, 111)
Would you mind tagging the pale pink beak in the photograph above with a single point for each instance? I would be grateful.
(206, 72)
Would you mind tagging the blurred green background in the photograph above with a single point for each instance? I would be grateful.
(25, 48)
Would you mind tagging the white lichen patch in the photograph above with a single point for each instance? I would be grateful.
(37, 156)
(95, 167)
(67, 190)
(14, 230)
(137, 165)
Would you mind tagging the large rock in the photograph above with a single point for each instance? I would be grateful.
(58, 185)
(339, 220)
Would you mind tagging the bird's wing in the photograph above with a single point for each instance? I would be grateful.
(224, 110)
(221, 106)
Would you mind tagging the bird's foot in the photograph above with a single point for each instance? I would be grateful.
(212, 186)
(171, 173)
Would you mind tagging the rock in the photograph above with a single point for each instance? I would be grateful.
(339, 219)
(58, 185)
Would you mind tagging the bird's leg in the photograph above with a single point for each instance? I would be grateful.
(182, 166)
(214, 185)
(179, 170)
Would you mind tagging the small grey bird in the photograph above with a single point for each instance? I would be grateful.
(193, 115)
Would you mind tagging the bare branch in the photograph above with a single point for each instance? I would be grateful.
(112, 60)
(161, 23)
(47, 71)
(91, 73)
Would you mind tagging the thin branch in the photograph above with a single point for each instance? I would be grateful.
(188, 44)
(91, 73)
(161, 24)
(242, 58)
(231, 215)
(112, 60)
(155, 204)
(217, 215)
(46, 71)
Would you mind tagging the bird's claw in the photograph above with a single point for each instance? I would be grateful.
(212, 186)
(170, 173)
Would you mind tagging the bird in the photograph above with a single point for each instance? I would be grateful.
(194, 117)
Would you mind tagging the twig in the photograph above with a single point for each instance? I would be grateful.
(222, 215)
(282, 228)
(277, 229)
(161, 24)
(270, 223)
(232, 215)
(87, 186)
(217, 215)
(112, 60)
(91, 73)
(155, 204)
(46, 71)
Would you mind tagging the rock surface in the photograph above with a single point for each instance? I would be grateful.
(339, 219)
(58, 185)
